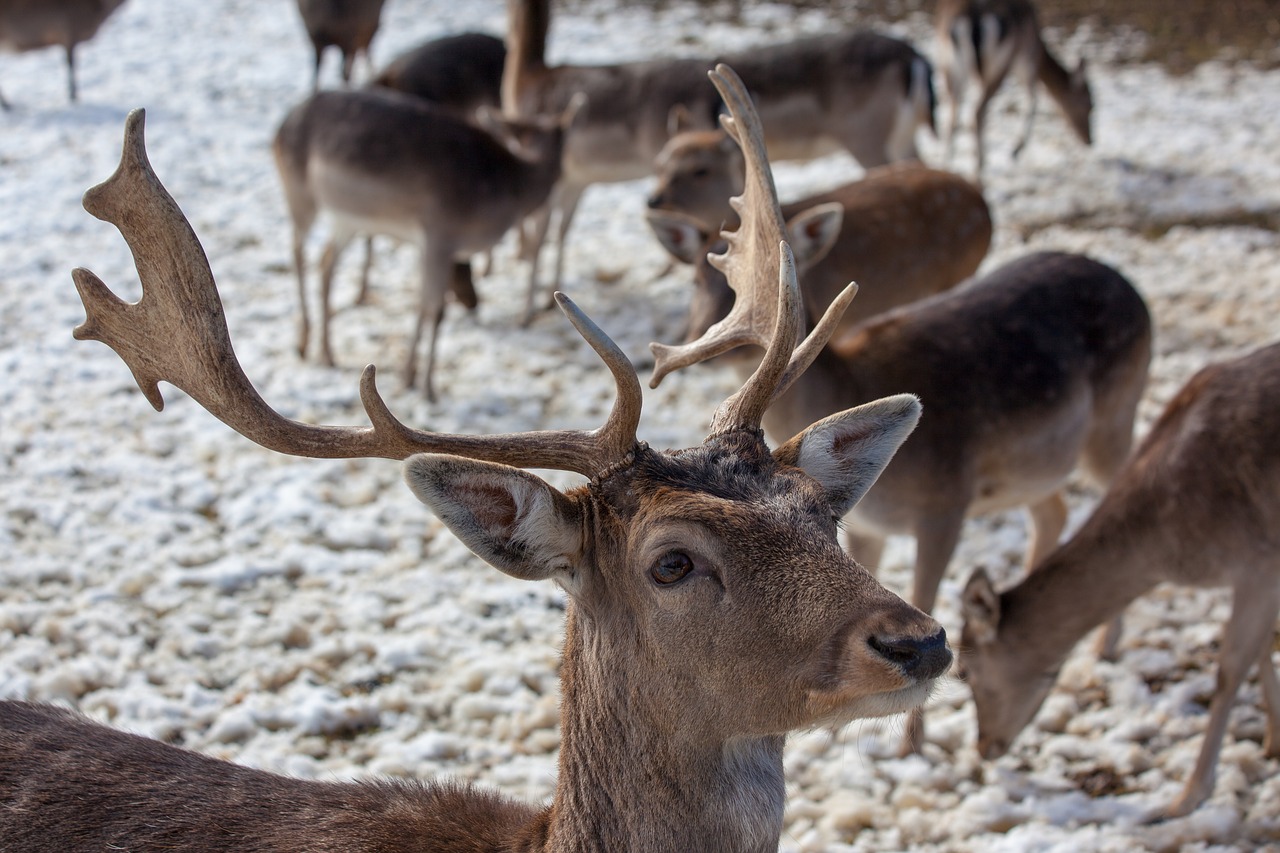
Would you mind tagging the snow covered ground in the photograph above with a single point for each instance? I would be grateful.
(165, 575)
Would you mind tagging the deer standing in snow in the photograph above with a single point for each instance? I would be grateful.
(726, 548)
(862, 92)
(981, 41)
(1025, 373)
(380, 162)
(348, 25)
(1199, 505)
(33, 24)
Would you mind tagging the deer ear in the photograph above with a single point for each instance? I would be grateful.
(847, 451)
(813, 232)
(980, 605)
(679, 120)
(681, 235)
(510, 518)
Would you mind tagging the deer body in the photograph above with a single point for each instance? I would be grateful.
(33, 24)
(384, 163)
(1197, 505)
(348, 25)
(981, 41)
(728, 548)
(863, 92)
(461, 72)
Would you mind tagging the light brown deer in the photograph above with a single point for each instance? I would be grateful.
(1198, 504)
(725, 548)
(862, 92)
(33, 24)
(902, 233)
(348, 25)
(379, 162)
(1025, 373)
(981, 41)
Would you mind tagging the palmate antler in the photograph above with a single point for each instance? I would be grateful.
(755, 251)
(177, 332)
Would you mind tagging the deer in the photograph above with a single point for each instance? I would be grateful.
(1196, 505)
(862, 92)
(903, 232)
(381, 162)
(348, 25)
(982, 41)
(33, 24)
(727, 547)
(461, 74)
(1027, 372)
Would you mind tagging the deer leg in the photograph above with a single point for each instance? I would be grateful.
(866, 548)
(1048, 518)
(348, 64)
(338, 241)
(533, 233)
(71, 72)
(4, 105)
(936, 537)
(1248, 630)
(1029, 83)
(1271, 700)
(463, 286)
(362, 298)
(299, 268)
(566, 202)
(315, 77)
(437, 269)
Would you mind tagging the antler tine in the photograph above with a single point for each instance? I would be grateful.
(177, 332)
(752, 256)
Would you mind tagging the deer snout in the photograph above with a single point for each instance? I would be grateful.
(657, 201)
(921, 659)
(991, 748)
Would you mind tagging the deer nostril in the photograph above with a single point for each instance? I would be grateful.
(655, 201)
(923, 659)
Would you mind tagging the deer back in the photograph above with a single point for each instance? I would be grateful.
(462, 72)
(350, 25)
(33, 24)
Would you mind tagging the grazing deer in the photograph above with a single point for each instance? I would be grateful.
(982, 41)
(385, 163)
(348, 25)
(33, 24)
(726, 548)
(902, 233)
(1025, 373)
(1198, 504)
(862, 92)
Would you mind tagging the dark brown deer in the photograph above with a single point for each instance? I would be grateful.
(1027, 372)
(981, 41)
(379, 162)
(902, 233)
(1198, 505)
(33, 24)
(348, 25)
(726, 548)
(862, 92)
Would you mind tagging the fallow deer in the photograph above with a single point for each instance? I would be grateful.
(33, 24)
(348, 25)
(380, 162)
(726, 548)
(1199, 505)
(1025, 373)
(902, 233)
(982, 41)
(862, 92)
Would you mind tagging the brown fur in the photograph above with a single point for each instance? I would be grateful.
(33, 24)
(348, 25)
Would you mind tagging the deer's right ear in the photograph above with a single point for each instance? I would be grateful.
(813, 232)
(510, 518)
(847, 451)
(681, 235)
(980, 605)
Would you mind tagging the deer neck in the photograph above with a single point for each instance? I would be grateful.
(637, 777)
(1084, 583)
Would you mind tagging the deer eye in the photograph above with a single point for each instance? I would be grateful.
(701, 172)
(671, 568)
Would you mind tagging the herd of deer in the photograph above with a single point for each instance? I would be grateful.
(1023, 375)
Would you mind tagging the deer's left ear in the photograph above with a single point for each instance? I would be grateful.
(847, 451)
(511, 519)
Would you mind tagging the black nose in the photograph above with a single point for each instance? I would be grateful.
(654, 201)
(922, 659)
